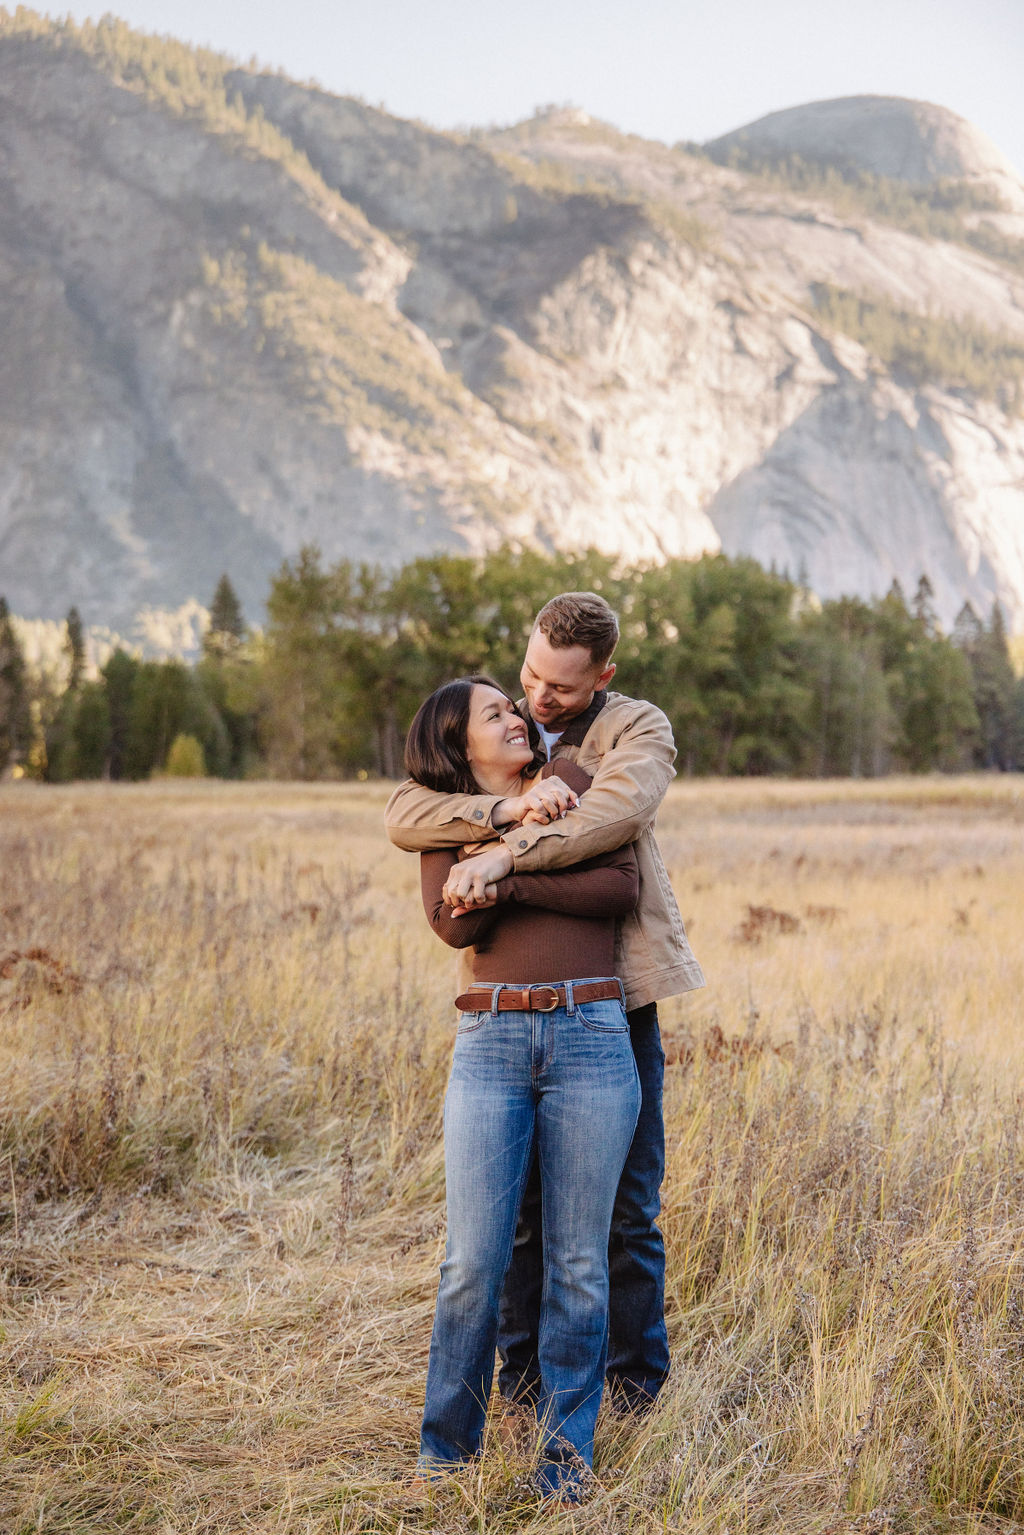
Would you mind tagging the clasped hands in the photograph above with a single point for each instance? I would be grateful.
(473, 883)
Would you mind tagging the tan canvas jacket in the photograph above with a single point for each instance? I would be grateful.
(626, 745)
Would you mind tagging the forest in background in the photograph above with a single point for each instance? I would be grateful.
(756, 675)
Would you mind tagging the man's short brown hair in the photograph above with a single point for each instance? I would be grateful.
(580, 618)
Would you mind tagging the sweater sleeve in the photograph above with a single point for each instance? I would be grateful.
(606, 886)
(457, 932)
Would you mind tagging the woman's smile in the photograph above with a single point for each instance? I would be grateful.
(497, 740)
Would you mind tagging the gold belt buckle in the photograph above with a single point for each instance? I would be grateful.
(551, 1005)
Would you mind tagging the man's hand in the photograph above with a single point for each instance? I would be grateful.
(471, 884)
(545, 801)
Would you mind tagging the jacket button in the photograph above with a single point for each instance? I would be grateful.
(524, 843)
(478, 814)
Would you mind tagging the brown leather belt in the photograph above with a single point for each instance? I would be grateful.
(535, 999)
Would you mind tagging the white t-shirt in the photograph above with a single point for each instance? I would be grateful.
(549, 737)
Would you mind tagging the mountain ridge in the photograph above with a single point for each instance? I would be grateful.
(252, 315)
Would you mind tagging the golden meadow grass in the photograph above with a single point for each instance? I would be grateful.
(224, 1037)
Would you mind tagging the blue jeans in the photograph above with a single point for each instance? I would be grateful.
(638, 1343)
(563, 1083)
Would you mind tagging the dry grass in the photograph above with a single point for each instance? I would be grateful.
(225, 1032)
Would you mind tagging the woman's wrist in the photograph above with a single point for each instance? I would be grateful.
(507, 812)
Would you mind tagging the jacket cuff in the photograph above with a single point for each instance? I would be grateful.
(520, 839)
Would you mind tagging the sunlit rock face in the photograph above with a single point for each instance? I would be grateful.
(234, 329)
(911, 141)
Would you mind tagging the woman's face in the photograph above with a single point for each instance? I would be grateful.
(496, 737)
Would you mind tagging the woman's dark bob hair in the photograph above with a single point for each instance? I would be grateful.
(435, 748)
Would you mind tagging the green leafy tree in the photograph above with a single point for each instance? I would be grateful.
(659, 655)
(230, 685)
(90, 732)
(167, 700)
(851, 718)
(744, 654)
(305, 721)
(754, 677)
(938, 718)
(186, 758)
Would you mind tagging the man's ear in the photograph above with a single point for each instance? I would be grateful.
(605, 677)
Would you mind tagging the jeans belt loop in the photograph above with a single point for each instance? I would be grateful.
(570, 1005)
(495, 994)
(622, 992)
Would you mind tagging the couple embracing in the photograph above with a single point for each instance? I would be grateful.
(534, 826)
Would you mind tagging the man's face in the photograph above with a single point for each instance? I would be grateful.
(559, 684)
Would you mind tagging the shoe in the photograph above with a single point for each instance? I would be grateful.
(422, 1483)
(516, 1429)
(633, 1404)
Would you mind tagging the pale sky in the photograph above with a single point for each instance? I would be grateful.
(666, 69)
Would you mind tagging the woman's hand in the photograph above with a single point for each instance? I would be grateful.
(490, 899)
(544, 801)
(471, 884)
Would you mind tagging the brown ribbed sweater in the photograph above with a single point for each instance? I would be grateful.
(558, 926)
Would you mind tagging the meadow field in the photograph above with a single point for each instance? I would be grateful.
(224, 1039)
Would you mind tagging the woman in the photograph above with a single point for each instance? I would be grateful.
(542, 1057)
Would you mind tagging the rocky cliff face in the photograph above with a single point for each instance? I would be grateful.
(241, 315)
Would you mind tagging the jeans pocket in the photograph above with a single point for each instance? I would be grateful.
(470, 1022)
(605, 1017)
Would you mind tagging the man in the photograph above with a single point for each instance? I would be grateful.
(626, 746)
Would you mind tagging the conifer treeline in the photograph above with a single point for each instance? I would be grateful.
(755, 675)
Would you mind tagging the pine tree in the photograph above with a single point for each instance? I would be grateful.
(227, 623)
(967, 629)
(226, 681)
(924, 607)
(74, 648)
(119, 684)
(15, 716)
(994, 687)
(61, 756)
(995, 695)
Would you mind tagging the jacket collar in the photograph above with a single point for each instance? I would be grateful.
(577, 727)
